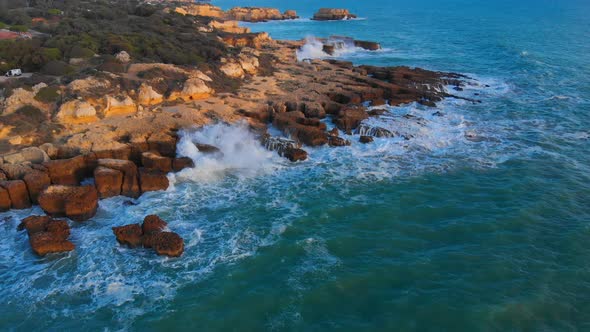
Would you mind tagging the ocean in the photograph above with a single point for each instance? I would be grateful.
(479, 222)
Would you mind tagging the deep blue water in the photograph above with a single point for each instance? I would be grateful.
(438, 233)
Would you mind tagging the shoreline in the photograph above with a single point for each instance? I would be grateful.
(127, 138)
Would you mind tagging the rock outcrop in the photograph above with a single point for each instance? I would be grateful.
(151, 234)
(332, 14)
(47, 235)
(75, 112)
(76, 203)
(258, 14)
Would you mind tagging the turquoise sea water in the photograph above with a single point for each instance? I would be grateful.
(438, 233)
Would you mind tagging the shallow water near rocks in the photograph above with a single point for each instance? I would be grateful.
(478, 222)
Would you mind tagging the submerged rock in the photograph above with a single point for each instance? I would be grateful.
(366, 139)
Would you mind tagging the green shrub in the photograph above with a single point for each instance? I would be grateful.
(112, 67)
(48, 94)
(81, 52)
(54, 12)
(2, 25)
(57, 68)
(32, 113)
(19, 28)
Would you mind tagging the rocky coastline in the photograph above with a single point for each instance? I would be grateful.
(119, 128)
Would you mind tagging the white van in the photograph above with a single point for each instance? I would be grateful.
(14, 72)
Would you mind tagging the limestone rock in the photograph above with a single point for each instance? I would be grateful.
(178, 164)
(47, 235)
(151, 235)
(129, 235)
(193, 89)
(366, 139)
(148, 96)
(233, 69)
(123, 57)
(36, 182)
(67, 171)
(153, 160)
(32, 154)
(294, 154)
(122, 105)
(153, 223)
(130, 186)
(76, 111)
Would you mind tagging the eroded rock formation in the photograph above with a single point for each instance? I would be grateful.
(151, 234)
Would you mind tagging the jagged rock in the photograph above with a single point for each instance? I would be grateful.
(295, 154)
(178, 164)
(367, 45)
(228, 26)
(86, 86)
(130, 186)
(306, 134)
(36, 182)
(47, 235)
(257, 14)
(377, 111)
(332, 14)
(76, 111)
(201, 9)
(129, 235)
(148, 96)
(366, 139)
(108, 181)
(153, 160)
(249, 61)
(206, 148)
(367, 130)
(76, 203)
(21, 97)
(152, 180)
(19, 195)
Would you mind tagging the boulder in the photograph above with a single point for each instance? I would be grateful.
(75, 112)
(193, 89)
(152, 180)
(130, 186)
(332, 14)
(153, 223)
(366, 139)
(253, 40)
(294, 154)
(47, 235)
(67, 172)
(148, 96)
(123, 105)
(153, 160)
(18, 193)
(15, 172)
(367, 45)
(164, 243)
(32, 155)
(5, 202)
(151, 235)
(178, 164)
(206, 148)
(123, 57)
(36, 182)
(163, 143)
(50, 150)
(233, 69)
(76, 203)
(108, 181)
(129, 235)
(334, 141)
(350, 118)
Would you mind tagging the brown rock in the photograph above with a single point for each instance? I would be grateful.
(350, 118)
(163, 143)
(178, 164)
(67, 172)
(165, 243)
(295, 154)
(130, 235)
(36, 182)
(76, 203)
(47, 235)
(44, 243)
(130, 187)
(337, 141)
(367, 45)
(366, 139)
(206, 148)
(153, 160)
(5, 202)
(15, 172)
(108, 181)
(19, 195)
(152, 180)
(153, 223)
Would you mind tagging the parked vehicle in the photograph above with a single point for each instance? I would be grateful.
(14, 72)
